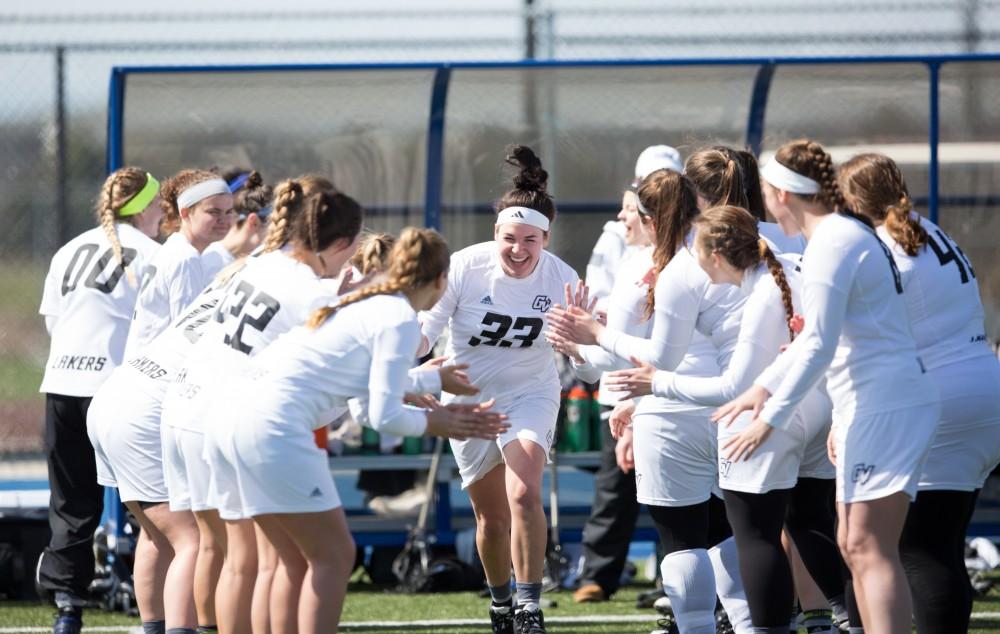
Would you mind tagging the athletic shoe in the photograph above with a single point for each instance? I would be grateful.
(69, 620)
(589, 593)
(502, 618)
(648, 599)
(666, 624)
(529, 621)
(662, 605)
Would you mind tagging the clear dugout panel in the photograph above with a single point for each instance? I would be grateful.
(364, 129)
(588, 124)
(969, 158)
(852, 109)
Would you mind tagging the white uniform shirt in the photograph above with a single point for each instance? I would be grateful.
(778, 241)
(88, 303)
(174, 278)
(365, 350)
(763, 330)
(856, 329)
(626, 313)
(498, 323)
(942, 299)
(609, 253)
(685, 301)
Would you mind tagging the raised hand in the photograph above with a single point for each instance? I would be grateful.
(635, 382)
(574, 324)
(461, 421)
(564, 346)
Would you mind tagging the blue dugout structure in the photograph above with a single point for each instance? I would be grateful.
(421, 143)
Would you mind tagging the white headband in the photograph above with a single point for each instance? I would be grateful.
(787, 180)
(200, 191)
(523, 216)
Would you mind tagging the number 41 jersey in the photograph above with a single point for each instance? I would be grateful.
(498, 323)
(88, 302)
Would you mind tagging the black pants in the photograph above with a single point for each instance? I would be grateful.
(76, 500)
(812, 524)
(697, 526)
(932, 548)
(608, 531)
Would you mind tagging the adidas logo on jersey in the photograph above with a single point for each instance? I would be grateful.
(316, 493)
(486, 300)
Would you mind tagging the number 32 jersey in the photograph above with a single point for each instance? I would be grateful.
(498, 323)
(88, 302)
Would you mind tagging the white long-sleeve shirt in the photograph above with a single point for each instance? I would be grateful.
(609, 254)
(763, 330)
(365, 350)
(88, 301)
(942, 299)
(856, 330)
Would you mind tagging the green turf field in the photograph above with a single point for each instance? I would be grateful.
(376, 607)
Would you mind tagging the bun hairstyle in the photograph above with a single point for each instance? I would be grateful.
(287, 202)
(253, 196)
(807, 157)
(120, 187)
(419, 257)
(530, 183)
(372, 255)
(724, 176)
(671, 203)
(874, 187)
(169, 192)
(732, 233)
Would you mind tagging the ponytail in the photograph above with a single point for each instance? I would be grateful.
(120, 187)
(904, 228)
(672, 204)
(320, 315)
(287, 197)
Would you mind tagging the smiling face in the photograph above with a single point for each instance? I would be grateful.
(208, 220)
(629, 215)
(520, 247)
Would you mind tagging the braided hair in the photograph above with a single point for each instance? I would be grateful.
(419, 257)
(873, 186)
(732, 233)
(807, 157)
(672, 204)
(288, 204)
(120, 187)
(372, 255)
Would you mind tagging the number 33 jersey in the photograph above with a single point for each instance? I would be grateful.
(498, 323)
(88, 302)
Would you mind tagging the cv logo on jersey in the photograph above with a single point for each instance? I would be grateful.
(542, 303)
(862, 472)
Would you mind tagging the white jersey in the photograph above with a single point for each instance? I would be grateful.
(778, 241)
(686, 301)
(627, 314)
(856, 328)
(942, 299)
(498, 323)
(174, 278)
(365, 350)
(608, 256)
(88, 301)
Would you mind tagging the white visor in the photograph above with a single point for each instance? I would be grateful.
(200, 191)
(785, 179)
(523, 216)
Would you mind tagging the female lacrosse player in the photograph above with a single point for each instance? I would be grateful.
(856, 329)
(361, 347)
(498, 297)
(946, 318)
(88, 300)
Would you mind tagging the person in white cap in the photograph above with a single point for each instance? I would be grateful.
(498, 298)
(608, 531)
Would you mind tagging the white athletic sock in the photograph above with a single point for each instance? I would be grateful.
(689, 582)
(729, 585)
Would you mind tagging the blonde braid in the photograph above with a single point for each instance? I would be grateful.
(117, 190)
(320, 315)
(287, 198)
(778, 273)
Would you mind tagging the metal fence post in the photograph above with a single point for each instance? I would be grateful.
(933, 133)
(435, 149)
(62, 211)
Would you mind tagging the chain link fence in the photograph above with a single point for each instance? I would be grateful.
(55, 70)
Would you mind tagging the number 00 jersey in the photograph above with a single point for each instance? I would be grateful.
(498, 322)
(88, 301)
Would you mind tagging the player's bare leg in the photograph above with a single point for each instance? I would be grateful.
(208, 567)
(234, 593)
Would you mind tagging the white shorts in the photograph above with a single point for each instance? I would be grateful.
(675, 457)
(185, 469)
(882, 454)
(816, 414)
(278, 468)
(774, 465)
(222, 488)
(124, 426)
(532, 418)
(967, 445)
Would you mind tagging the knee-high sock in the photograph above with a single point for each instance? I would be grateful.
(690, 583)
(729, 585)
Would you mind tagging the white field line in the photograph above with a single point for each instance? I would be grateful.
(556, 620)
